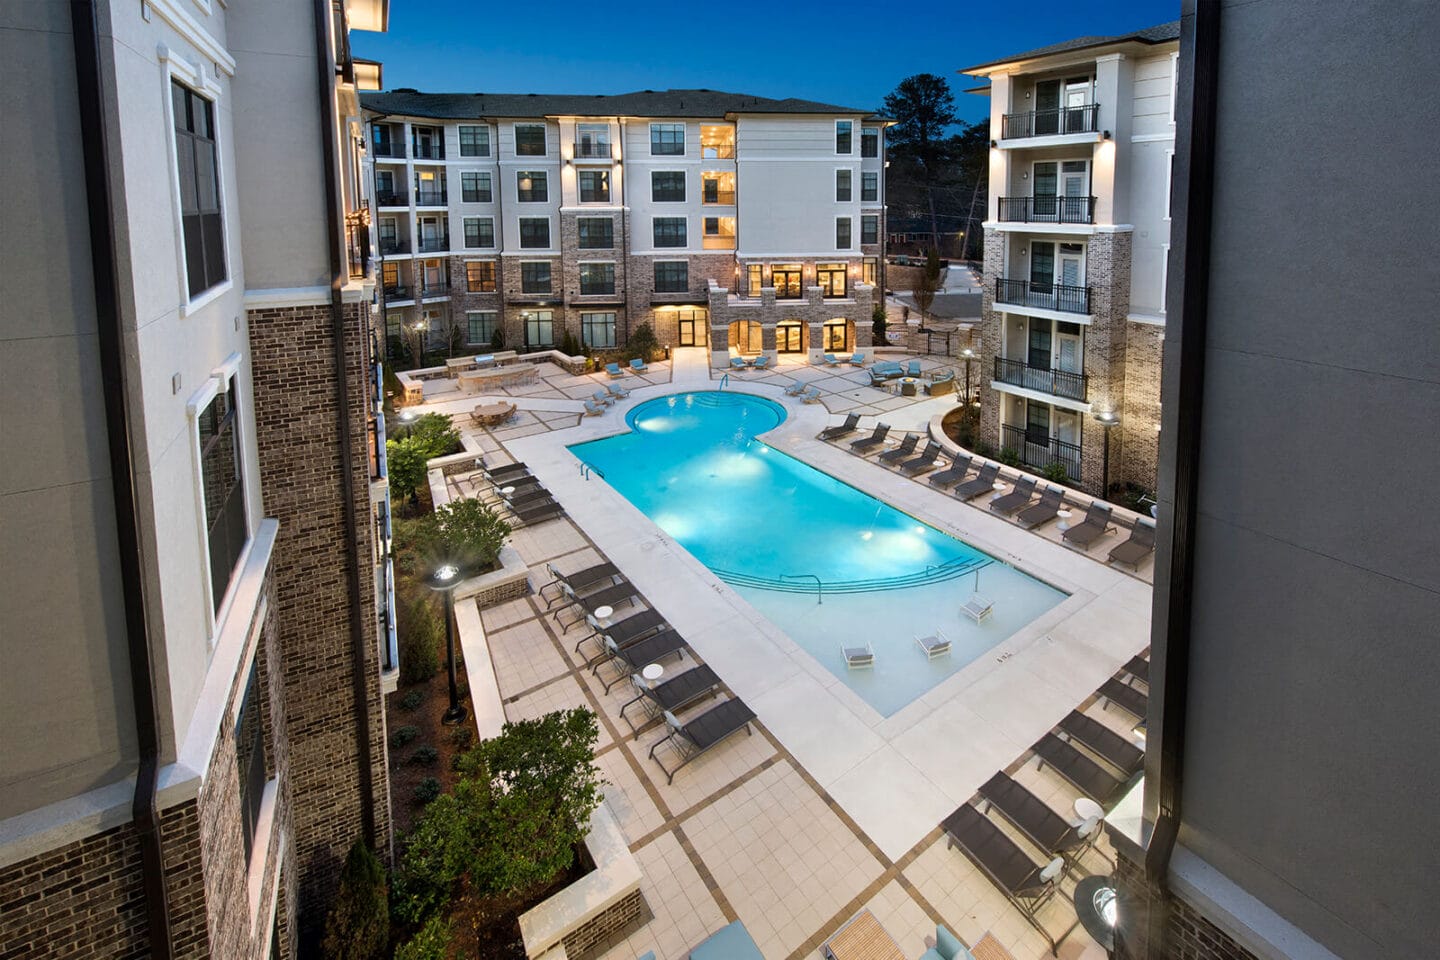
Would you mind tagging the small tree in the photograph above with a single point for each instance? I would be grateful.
(434, 435)
(406, 462)
(879, 320)
(414, 334)
(642, 343)
(358, 926)
(466, 533)
(927, 286)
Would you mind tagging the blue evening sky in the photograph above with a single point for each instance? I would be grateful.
(842, 51)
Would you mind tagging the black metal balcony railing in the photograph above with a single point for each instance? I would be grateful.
(392, 149)
(433, 244)
(430, 198)
(1059, 383)
(592, 151)
(718, 196)
(398, 292)
(1048, 123)
(435, 290)
(391, 199)
(1047, 209)
(389, 246)
(1039, 451)
(1046, 296)
(433, 151)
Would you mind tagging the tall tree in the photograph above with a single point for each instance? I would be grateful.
(927, 286)
(923, 109)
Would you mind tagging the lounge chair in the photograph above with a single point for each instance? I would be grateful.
(1125, 697)
(616, 391)
(845, 429)
(936, 646)
(1043, 512)
(523, 498)
(952, 474)
(1140, 545)
(1084, 774)
(732, 942)
(760, 362)
(675, 694)
(502, 470)
(945, 383)
(588, 601)
(907, 447)
(978, 607)
(739, 363)
(602, 396)
(947, 946)
(865, 444)
(695, 737)
(538, 513)
(1104, 742)
(593, 409)
(653, 649)
(639, 366)
(581, 580)
(859, 656)
(1095, 525)
(1035, 818)
(795, 389)
(831, 360)
(1028, 885)
(856, 360)
(811, 396)
(633, 628)
(1020, 496)
(912, 369)
(614, 370)
(983, 481)
(1138, 667)
(924, 463)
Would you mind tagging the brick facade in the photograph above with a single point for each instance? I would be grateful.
(1188, 934)
(1140, 415)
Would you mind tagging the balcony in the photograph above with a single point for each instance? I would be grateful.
(718, 241)
(391, 199)
(398, 292)
(430, 151)
(392, 246)
(430, 198)
(720, 197)
(434, 244)
(1058, 383)
(1047, 209)
(434, 290)
(1051, 123)
(1039, 450)
(1043, 296)
(390, 151)
(589, 150)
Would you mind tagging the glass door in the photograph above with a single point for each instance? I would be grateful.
(1072, 264)
(1077, 97)
(788, 337)
(1047, 107)
(1046, 180)
(1042, 273)
(692, 328)
(1075, 187)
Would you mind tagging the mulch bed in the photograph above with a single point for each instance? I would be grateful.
(406, 775)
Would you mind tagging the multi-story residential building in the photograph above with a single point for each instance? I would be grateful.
(719, 219)
(191, 734)
(1082, 140)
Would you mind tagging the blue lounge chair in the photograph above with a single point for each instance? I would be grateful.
(738, 363)
(857, 359)
(831, 360)
(600, 396)
(728, 943)
(639, 366)
(795, 389)
(593, 409)
(760, 362)
(811, 396)
(614, 370)
(912, 369)
(616, 391)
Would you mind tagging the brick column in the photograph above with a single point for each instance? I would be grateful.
(992, 336)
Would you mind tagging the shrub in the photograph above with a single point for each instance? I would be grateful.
(878, 322)
(1127, 494)
(497, 339)
(358, 925)
(403, 735)
(412, 700)
(1009, 457)
(465, 532)
(1056, 473)
(427, 790)
(435, 435)
(406, 463)
(569, 345)
(420, 632)
(984, 449)
(642, 344)
(425, 756)
(462, 737)
(431, 943)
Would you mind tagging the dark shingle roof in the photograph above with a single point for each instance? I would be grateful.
(642, 103)
(1164, 33)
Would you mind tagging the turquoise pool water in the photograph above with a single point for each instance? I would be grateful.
(828, 564)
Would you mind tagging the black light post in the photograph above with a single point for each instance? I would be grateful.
(969, 356)
(445, 580)
(1107, 420)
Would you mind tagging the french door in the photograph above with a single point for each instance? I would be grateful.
(789, 338)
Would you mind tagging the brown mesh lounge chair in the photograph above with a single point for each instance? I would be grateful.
(635, 627)
(538, 513)
(1140, 545)
(984, 480)
(1084, 774)
(675, 694)
(1125, 697)
(580, 581)
(600, 595)
(653, 649)
(504, 470)
(907, 447)
(1043, 512)
(1034, 817)
(1017, 498)
(1104, 742)
(1096, 525)
(924, 463)
(865, 444)
(844, 430)
(1028, 885)
(952, 474)
(1138, 667)
(696, 736)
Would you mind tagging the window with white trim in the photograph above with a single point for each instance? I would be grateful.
(222, 489)
(597, 279)
(529, 139)
(480, 326)
(597, 330)
(535, 277)
(842, 186)
(842, 233)
(539, 328)
(250, 756)
(198, 168)
(844, 134)
(474, 141)
(535, 233)
(667, 139)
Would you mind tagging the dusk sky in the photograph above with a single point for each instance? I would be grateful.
(840, 52)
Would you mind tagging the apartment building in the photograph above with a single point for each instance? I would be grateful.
(722, 220)
(1082, 142)
(191, 734)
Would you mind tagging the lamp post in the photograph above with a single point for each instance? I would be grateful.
(1107, 420)
(969, 356)
(444, 580)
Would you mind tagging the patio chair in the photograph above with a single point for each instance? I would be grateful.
(1104, 742)
(588, 601)
(924, 463)
(653, 649)
(912, 369)
(694, 738)
(614, 370)
(936, 646)
(947, 946)
(616, 391)
(944, 383)
(1043, 512)
(739, 363)
(1095, 525)
(504, 469)
(1138, 667)
(732, 942)
(593, 409)
(952, 474)
(856, 360)
(1125, 697)
(581, 580)
(674, 694)
(831, 360)
(602, 396)
(639, 366)
(760, 362)
(907, 447)
(1035, 818)
(1020, 496)
(811, 396)
(522, 498)
(635, 627)
(865, 444)
(1140, 545)
(845, 429)
(856, 657)
(1083, 774)
(978, 607)
(983, 481)
(537, 513)
(795, 389)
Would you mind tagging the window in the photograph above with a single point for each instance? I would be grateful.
(869, 143)
(539, 327)
(529, 139)
(669, 231)
(479, 326)
(592, 140)
(535, 277)
(199, 174)
(429, 143)
(672, 276)
(755, 274)
(836, 336)
(842, 233)
(475, 187)
(667, 139)
(535, 232)
(842, 186)
(830, 277)
(597, 279)
(531, 186)
(432, 277)
(667, 186)
(1169, 182)
(390, 275)
(474, 141)
(381, 138)
(869, 187)
(596, 233)
(843, 131)
(597, 329)
(785, 278)
(250, 756)
(868, 270)
(222, 489)
(480, 276)
(869, 229)
(479, 232)
(594, 186)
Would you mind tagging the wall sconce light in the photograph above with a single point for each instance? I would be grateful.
(1105, 135)
(568, 161)
(994, 144)
(1024, 251)
(1024, 175)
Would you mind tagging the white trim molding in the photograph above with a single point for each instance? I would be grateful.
(1040, 396)
(189, 28)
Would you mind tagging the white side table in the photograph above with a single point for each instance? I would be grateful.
(1087, 809)
(603, 615)
(1064, 516)
(653, 672)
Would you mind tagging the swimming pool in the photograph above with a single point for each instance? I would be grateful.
(828, 564)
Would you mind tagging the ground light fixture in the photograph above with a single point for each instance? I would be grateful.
(444, 580)
(969, 356)
(1096, 909)
(1107, 419)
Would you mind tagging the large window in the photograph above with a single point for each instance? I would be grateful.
(667, 139)
(755, 275)
(597, 279)
(842, 186)
(597, 329)
(869, 187)
(669, 231)
(594, 186)
(869, 229)
(869, 143)
(596, 233)
(539, 327)
(529, 139)
(785, 278)
(535, 277)
(199, 172)
(480, 276)
(592, 140)
(535, 232)
(480, 326)
(223, 489)
(844, 132)
(475, 187)
(531, 186)
(842, 233)
(835, 335)
(667, 186)
(868, 270)
(479, 232)
(474, 141)
(831, 279)
(250, 756)
(672, 276)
